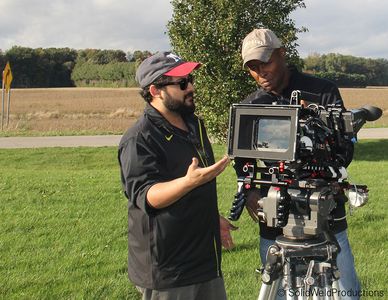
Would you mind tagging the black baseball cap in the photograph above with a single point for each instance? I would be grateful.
(163, 63)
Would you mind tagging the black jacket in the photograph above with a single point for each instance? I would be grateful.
(327, 93)
(180, 244)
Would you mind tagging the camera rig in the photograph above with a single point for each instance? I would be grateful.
(304, 153)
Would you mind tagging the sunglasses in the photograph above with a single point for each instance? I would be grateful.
(183, 83)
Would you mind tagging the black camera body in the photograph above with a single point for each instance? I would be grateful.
(307, 140)
(305, 152)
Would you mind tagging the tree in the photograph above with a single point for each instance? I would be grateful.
(347, 70)
(101, 57)
(2, 60)
(211, 32)
(139, 56)
(41, 67)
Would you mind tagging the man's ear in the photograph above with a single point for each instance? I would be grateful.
(154, 91)
(282, 51)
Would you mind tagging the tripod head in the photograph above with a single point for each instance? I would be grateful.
(301, 207)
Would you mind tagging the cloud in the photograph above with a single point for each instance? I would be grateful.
(354, 27)
(351, 27)
(104, 24)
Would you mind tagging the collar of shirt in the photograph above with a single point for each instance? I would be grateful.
(156, 117)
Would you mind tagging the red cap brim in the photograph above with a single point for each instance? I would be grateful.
(183, 69)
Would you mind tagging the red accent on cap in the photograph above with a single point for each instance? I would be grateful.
(183, 69)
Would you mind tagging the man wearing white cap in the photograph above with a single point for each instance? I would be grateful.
(265, 58)
(169, 174)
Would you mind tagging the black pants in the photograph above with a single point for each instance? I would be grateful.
(209, 290)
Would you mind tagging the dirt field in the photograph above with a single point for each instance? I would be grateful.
(98, 110)
(74, 109)
(356, 98)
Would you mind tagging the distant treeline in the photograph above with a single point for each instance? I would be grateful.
(347, 70)
(65, 67)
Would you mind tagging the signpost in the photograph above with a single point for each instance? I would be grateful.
(6, 87)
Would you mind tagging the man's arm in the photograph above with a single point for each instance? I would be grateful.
(163, 194)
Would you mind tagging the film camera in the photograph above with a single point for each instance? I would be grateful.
(303, 149)
(304, 152)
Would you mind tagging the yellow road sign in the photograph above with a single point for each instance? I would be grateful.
(7, 76)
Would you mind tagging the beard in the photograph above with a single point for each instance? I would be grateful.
(185, 107)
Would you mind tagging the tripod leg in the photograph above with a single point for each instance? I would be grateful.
(316, 294)
(269, 291)
(335, 288)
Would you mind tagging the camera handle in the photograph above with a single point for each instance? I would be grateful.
(244, 184)
(299, 97)
(239, 202)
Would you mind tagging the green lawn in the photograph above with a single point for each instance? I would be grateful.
(63, 225)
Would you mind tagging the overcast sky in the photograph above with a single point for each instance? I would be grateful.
(354, 27)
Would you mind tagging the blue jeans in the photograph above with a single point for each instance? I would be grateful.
(348, 282)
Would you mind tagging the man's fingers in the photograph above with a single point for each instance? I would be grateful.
(194, 163)
(253, 214)
(225, 228)
(219, 166)
(227, 241)
(199, 175)
(227, 244)
(232, 227)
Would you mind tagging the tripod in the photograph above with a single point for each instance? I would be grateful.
(303, 259)
(306, 267)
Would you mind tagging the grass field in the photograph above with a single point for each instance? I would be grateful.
(63, 225)
(80, 111)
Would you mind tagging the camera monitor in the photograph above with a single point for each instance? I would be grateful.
(263, 132)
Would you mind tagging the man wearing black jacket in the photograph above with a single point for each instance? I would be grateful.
(169, 174)
(265, 58)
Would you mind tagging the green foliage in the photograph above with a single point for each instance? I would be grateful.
(347, 70)
(344, 79)
(211, 32)
(118, 74)
(101, 57)
(3, 62)
(138, 55)
(53, 67)
(40, 67)
(103, 68)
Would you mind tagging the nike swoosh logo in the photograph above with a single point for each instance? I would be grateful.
(168, 138)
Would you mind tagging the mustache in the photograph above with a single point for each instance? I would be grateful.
(189, 95)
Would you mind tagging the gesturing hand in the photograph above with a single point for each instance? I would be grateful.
(197, 176)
